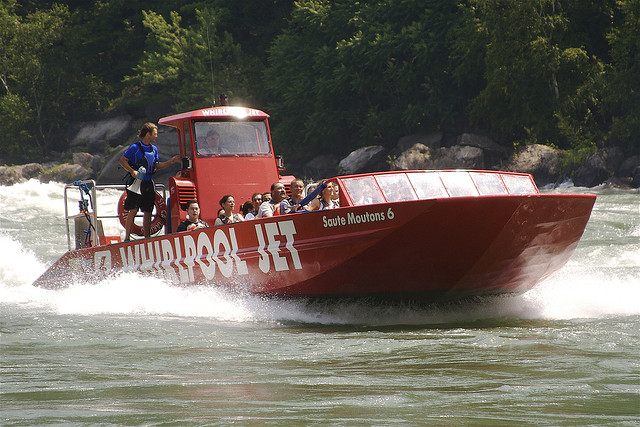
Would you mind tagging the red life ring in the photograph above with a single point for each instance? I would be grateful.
(157, 221)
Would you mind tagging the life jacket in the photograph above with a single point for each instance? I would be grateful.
(324, 205)
(148, 159)
(286, 206)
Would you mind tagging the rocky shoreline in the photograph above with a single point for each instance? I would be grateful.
(92, 158)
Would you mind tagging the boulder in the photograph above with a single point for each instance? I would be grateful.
(362, 160)
(431, 140)
(94, 135)
(459, 157)
(31, 170)
(635, 177)
(628, 167)
(422, 157)
(323, 166)
(416, 157)
(541, 161)
(493, 153)
(89, 161)
(10, 175)
(598, 167)
(66, 173)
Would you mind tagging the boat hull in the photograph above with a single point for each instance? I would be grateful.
(439, 249)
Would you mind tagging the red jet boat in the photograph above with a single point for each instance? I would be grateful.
(418, 234)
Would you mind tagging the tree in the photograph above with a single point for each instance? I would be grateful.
(188, 65)
(346, 74)
(31, 77)
(539, 82)
(622, 84)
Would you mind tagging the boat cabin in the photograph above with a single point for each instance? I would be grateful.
(225, 150)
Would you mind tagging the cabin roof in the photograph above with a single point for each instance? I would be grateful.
(220, 113)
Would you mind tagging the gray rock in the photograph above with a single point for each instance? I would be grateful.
(628, 167)
(541, 161)
(89, 161)
(66, 173)
(416, 157)
(493, 153)
(93, 135)
(459, 157)
(598, 167)
(10, 175)
(323, 166)
(431, 140)
(635, 177)
(366, 159)
(422, 157)
(31, 170)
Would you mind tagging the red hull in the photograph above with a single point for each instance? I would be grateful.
(433, 249)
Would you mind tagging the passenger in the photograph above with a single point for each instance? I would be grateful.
(228, 217)
(256, 201)
(270, 207)
(297, 194)
(266, 196)
(325, 201)
(246, 208)
(193, 220)
(336, 193)
(143, 154)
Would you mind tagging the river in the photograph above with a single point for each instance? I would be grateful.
(133, 350)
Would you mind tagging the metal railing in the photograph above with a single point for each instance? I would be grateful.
(88, 208)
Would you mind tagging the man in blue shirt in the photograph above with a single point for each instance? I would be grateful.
(143, 153)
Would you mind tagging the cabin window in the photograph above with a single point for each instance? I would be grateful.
(489, 183)
(396, 187)
(231, 138)
(363, 191)
(428, 185)
(459, 184)
(519, 184)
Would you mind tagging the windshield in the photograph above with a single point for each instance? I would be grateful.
(231, 138)
(404, 186)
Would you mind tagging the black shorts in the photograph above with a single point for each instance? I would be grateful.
(145, 201)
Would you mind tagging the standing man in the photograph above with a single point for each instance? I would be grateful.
(278, 194)
(143, 154)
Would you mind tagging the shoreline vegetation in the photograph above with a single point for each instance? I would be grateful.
(544, 87)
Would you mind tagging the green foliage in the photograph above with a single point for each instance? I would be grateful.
(345, 74)
(622, 94)
(190, 64)
(338, 74)
(537, 80)
(30, 73)
(14, 137)
(574, 158)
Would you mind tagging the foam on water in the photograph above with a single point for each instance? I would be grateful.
(569, 294)
(599, 281)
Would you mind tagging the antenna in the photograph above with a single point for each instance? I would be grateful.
(213, 94)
